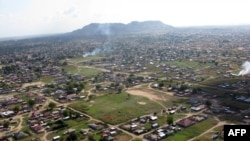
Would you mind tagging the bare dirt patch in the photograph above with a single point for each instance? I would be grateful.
(150, 96)
(142, 103)
(32, 84)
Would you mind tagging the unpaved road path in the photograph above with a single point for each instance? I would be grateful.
(220, 123)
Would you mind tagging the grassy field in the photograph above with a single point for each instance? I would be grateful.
(193, 131)
(70, 68)
(215, 82)
(47, 79)
(192, 64)
(82, 59)
(80, 70)
(208, 136)
(117, 108)
(89, 71)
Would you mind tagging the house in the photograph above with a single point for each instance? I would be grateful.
(172, 112)
(193, 102)
(153, 118)
(7, 113)
(133, 125)
(84, 131)
(155, 86)
(161, 135)
(108, 138)
(71, 96)
(186, 122)
(20, 135)
(56, 138)
(93, 126)
(155, 125)
(195, 109)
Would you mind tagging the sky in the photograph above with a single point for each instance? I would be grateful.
(34, 17)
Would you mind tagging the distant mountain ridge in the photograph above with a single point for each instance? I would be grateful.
(110, 29)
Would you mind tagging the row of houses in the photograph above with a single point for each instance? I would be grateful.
(168, 130)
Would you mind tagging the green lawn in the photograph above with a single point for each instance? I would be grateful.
(194, 130)
(117, 108)
(89, 71)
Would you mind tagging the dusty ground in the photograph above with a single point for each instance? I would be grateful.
(32, 84)
(142, 103)
(143, 93)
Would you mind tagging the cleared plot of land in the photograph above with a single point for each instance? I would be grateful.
(117, 108)
(143, 93)
(163, 98)
(193, 131)
(89, 71)
(32, 84)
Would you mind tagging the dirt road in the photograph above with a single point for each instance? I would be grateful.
(220, 123)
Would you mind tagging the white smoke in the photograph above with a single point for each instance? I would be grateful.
(98, 51)
(92, 53)
(245, 69)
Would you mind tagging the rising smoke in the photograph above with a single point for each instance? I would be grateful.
(98, 51)
(245, 69)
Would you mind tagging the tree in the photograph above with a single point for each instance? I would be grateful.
(161, 84)
(208, 103)
(194, 91)
(170, 119)
(72, 137)
(6, 124)
(66, 113)
(119, 90)
(16, 109)
(31, 103)
(98, 87)
(52, 105)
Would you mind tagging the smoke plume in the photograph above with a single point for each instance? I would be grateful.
(245, 69)
(98, 51)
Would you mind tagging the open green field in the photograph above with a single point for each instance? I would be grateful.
(82, 59)
(70, 68)
(192, 131)
(89, 71)
(78, 70)
(192, 64)
(215, 82)
(117, 108)
(47, 79)
(208, 136)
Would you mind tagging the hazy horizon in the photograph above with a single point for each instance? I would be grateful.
(39, 17)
